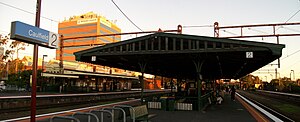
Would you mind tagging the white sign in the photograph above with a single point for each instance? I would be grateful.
(86, 21)
(249, 54)
(53, 40)
(93, 58)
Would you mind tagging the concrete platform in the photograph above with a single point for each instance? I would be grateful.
(228, 111)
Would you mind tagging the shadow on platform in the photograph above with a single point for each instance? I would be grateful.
(228, 111)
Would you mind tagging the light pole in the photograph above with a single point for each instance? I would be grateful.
(271, 76)
(266, 78)
(35, 64)
(293, 75)
(43, 71)
(43, 62)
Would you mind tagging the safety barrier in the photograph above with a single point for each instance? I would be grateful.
(86, 117)
(184, 106)
(64, 119)
(155, 105)
(101, 117)
(127, 110)
(114, 111)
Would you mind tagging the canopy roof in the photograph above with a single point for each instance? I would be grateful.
(178, 55)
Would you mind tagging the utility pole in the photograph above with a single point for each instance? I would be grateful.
(275, 73)
(35, 64)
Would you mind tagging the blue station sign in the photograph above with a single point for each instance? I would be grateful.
(24, 32)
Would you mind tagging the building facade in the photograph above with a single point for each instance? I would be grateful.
(89, 24)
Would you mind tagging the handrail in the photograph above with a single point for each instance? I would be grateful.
(130, 107)
(88, 114)
(104, 111)
(124, 114)
(64, 117)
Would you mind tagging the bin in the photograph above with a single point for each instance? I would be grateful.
(171, 103)
(163, 101)
(167, 103)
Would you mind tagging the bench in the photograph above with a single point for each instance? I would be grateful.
(140, 113)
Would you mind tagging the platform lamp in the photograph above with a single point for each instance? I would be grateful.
(43, 70)
(266, 78)
(293, 74)
(43, 62)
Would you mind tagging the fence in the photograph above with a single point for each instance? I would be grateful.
(155, 105)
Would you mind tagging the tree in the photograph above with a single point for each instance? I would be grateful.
(250, 80)
(8, 65)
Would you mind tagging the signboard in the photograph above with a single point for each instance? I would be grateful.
(93, 58)
(34, 35)
(249, 54)
(86, 21)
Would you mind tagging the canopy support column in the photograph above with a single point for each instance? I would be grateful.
(198, 66)
(142, 69)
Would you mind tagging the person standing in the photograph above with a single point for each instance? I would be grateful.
(232, 93)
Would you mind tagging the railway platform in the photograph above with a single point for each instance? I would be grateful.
(228, 111)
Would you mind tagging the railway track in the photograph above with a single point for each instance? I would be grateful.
(60, 102)
(285, 109)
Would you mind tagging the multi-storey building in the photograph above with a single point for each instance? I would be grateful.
(89, 24)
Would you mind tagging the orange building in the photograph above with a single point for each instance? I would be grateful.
(88, 24)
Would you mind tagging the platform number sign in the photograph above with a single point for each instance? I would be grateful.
(54, 39)
(93, 58)
(30, 34)
(249, 54)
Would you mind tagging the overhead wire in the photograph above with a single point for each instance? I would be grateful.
(196, 26)
(257, 31)
(27, 11)
(292, 16)
(291, 29)
(290, 55)
(126, 16)
(229, 32)
(286, 68)
(289, 19)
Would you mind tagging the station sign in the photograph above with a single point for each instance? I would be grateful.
(249, 54)
(27, 33)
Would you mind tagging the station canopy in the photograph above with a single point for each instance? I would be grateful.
(179, 55)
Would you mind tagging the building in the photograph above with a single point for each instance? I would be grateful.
(88, 24)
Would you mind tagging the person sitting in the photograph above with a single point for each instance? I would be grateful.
(219, 100)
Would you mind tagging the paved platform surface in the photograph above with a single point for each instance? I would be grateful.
(228, 111)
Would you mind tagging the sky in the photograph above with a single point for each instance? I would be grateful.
(167, 14)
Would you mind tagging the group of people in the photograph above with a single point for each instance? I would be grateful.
(231, 91)
(220, 95)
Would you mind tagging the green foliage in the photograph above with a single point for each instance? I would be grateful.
(15, 80)
(249, 81)
(22, 78)
(11, 47)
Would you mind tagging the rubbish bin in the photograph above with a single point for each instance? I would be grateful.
(171, 103)
(167, 103)
(163, 101)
